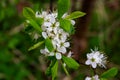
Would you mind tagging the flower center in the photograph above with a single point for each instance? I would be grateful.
(93, 60)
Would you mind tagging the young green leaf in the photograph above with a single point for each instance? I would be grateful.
(48, 71)
(66, 25)
(63, 7)
(28, 13)
(49, 45)
(36, 45)
(110, 73)
(71, 63)
(75, 15)
(54, 70)
(39, 21)
(35, 25)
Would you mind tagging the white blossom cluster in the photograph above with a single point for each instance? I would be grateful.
(52, 30)
(96, 58)
(96, 77)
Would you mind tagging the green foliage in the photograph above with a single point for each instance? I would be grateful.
(66, 25)
(71, 63)
(110, 73)
(48, 71)
(54, 70)
(35, 26)
(63, 7)
(49, 45)
(75, 15)
(28, 13)
(36, 45)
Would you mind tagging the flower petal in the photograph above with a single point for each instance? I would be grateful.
(58, 56)
(66, 44)
(44, 34)
(62, 49)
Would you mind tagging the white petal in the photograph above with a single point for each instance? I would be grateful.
(66, 44)
(64, 64)
(51, 54)
(64, 15)
(58, 56)
(88, 62)
(62, 49)
(47, 24)
(43, 51)
(37, 14)
(44, 13)
(88, 78)
(46, 50)
(52, 20)
(72, 22)
(69, 54)
(44, 34)
(94, 65)
(96, 77)
(57, 24)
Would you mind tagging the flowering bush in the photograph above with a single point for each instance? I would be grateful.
(52, 31)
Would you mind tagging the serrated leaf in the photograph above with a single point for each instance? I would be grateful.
(110, 73)
(28, 13)
(54, 70)
(49, 45)
(71, 63)
(63, 7)
(36, 45)
(66, 25)
(75, 15)
(35, 25)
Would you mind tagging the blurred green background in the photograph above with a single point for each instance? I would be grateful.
(16, 63)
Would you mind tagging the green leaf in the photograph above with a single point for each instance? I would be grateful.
(71, 63)
(39, 21)
(35, 25)
(110, 73)
(66, 25)
(63, 6)
(28, 13)
(36, 45)
(75, 15)
(48, 71)
(49, 45)
(54, 70)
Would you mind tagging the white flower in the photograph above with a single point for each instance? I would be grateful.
(44, 51)
(96, 58)
(37, 14)
(62, 47)
(58, 56)
(52, 30)
(72, 22)
(69, 54)
(50, 18)
(44, 34)
(96, 77)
